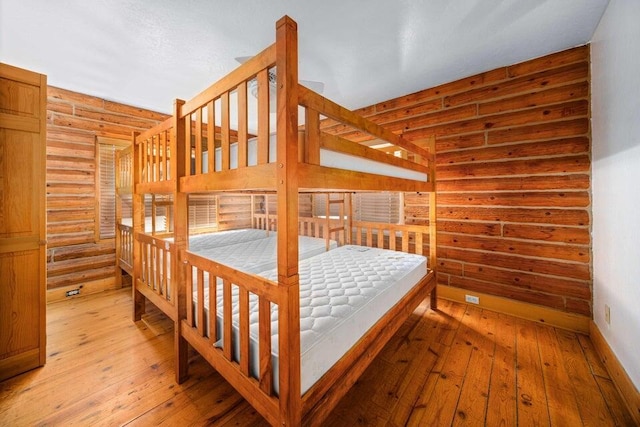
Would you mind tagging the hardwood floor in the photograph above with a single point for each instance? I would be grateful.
(459, 365)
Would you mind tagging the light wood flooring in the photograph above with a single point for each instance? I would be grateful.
(458, 365)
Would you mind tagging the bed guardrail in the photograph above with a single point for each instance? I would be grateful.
(400, 237)
(332, 229)
(204, 135)
(156, 282)
(125, 247)
(216, 148)
(204, 277)
(153, 150)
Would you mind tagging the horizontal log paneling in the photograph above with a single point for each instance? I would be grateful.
(513, 169)
(547, 233)
(549, 267)
(556, 182)
(461, 85)
(554, 60)
(528, 248)
(558, 147)
(529, 83)
(74, 120)
(519, 215)
(539, 131)
(535, 166)
(578, 289)
(527, 199)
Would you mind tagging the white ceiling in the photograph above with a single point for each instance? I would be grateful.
(148, 52)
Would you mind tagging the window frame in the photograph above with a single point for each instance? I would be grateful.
(117, 144)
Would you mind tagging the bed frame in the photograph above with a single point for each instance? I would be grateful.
(297, 170)
(124, 233)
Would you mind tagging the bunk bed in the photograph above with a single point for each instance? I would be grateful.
(124, 228)
(273, 330)
(154, 223)
(145, 244)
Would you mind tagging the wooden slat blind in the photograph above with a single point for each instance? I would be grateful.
(374, 207)
(202, 211)
(377, 207)
(107, 189)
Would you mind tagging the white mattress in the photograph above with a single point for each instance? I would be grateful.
(246, 254)
(260, 255)
(218, 239)
(343, 293)
(327, 158)
(160, 223)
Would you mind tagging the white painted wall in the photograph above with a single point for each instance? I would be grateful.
(615, 75)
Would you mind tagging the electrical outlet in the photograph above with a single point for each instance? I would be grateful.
(607, 314)
(472, 299)
(73, 292)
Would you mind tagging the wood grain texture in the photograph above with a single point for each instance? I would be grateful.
(116, 372)
(74, 121)
(22, 220)
(513, 166)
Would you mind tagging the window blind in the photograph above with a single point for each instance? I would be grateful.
(202, 211)
(127, 206)
(107, 189)
(375, 207)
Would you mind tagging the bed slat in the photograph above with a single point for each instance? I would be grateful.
(187, 146)
(227, 316)
(263, 117)
(264, 326)
(165, 270)
(211, 136)
(213, 309)
(224, 114)
(242, 124)
(244, 331)
(189, 292)
(200, 301)
(198, 141)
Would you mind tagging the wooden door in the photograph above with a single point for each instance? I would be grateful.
(23, 100)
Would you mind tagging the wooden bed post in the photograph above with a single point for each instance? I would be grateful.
(287, 192)
(181, 236)
(138, 226)
(433, 207)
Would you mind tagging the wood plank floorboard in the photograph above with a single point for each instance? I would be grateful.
(460, 365)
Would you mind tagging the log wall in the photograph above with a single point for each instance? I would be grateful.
(513, 178)
(74, 121)
(513, 155)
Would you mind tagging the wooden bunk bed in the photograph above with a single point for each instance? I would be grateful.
(227, 314)
(124, 232)
(154, 255)
(153, 224)
(146, 250)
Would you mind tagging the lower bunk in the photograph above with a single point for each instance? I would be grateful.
(352, 300)
(247, 249)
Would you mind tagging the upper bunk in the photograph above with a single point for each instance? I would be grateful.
(257, 129)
